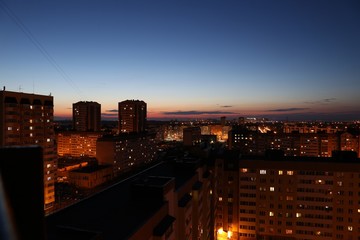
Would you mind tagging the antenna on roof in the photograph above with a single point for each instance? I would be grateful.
(20, 88)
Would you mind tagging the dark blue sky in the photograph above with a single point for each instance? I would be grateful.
(296, 59)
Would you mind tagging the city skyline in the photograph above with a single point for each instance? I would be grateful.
(292, 60)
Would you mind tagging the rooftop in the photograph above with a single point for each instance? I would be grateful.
(118, 211)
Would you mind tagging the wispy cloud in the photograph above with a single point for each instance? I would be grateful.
(322, 101)
(112, 110)
(287, 109)
(329, 100)
(182, 113)
(226, 106)
(109, 116)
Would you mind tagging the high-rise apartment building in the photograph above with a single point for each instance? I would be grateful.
(27, 119)
(86, 116)
(277, 197)
(132, 116)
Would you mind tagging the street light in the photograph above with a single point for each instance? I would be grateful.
(223, 235)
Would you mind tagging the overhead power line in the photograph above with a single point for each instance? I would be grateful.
(38, 45)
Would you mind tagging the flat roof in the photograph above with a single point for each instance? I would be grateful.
(91, 168)
(113, 212)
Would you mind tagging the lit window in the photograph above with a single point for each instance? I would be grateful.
(48, 165)
(48, 140)
(298, 215)
(244, 170)
(280, 172)
(262, 171)
(271, 214)
(290, 172)
(220, 199)
(350, 228)
(9, 128)
(272, 189)
(288, 231)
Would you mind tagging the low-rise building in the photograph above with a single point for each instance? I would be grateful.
(90, 176)
(77, 144)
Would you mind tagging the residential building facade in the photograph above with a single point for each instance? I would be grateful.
(27, 119)
(132, 116)
(77, 144)
(126, 151)
(277, 197)
(86, 116)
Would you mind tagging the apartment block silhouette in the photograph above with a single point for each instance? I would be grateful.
(86, 116)
(132, 116)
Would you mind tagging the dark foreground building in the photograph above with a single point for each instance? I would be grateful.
(168, 201)
(21, 193)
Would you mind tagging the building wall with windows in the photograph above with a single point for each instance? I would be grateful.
(289, 197)
(293, 144)
(27, 119)
(86, 116)
(132, 116)
(77, 144)
(126, 151)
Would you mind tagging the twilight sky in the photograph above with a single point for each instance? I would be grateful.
(280, 59)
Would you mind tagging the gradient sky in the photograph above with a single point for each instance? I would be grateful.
(279, 59)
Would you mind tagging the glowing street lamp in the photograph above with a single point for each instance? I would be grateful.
(223, 235)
